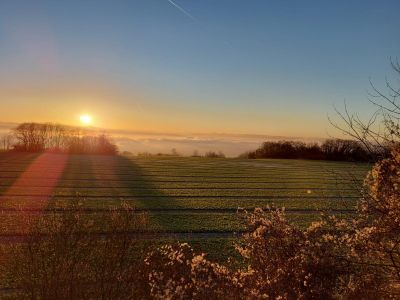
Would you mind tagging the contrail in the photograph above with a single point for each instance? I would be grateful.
(182, 10)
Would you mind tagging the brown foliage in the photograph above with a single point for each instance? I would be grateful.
(66, 257)
(379, 212)
(279, 261)
(177, 273)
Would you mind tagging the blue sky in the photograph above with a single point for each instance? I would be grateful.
(257, 67)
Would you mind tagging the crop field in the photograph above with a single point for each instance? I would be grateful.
(181, 195)
(199, 200)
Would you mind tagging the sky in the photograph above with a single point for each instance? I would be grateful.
(273, 68)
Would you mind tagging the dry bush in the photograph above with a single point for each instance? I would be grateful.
(66, 257)
(279, 261)
(379, 215)
(177, 273)
(318, 262)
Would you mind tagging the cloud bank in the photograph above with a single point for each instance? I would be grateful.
(231, 145)
(136, 142)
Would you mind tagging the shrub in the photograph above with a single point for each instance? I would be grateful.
(279, 261)
(66, 256)
(178, 273)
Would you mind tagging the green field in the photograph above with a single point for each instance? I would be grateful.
(195, 199)
(181, 194)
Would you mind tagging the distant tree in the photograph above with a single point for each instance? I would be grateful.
(174, 152)
(105, 146)
(338, 149)
(196, 154)
(247, 154)
(6, 142)
(213, 154)
(39, 137)
(144, 154)
(30, 137)
(333, 149)
(100, 144)
(282, 149)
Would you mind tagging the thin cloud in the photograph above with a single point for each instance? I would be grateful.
(182, 10)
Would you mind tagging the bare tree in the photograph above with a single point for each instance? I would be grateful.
(6, 142)
(38, 137)
(381, 131)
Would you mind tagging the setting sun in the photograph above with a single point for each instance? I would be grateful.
(86, 119)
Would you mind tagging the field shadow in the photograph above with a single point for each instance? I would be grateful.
(145, 193)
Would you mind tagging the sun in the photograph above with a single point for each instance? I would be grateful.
(86, 119)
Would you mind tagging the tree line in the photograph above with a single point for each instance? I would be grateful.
(332, 149)
(50, 137)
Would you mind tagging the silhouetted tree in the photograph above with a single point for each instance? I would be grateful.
(6, 142)
(338, 149)
(38, 137)
(196, 154)
(213, 154)
(333, 149)
(174, 152)
(381, 131)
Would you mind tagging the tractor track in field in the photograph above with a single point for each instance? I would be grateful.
(23, 238)
(205, 175)
(188, 188)
(135, 197)
(171, 210)
(296, 180)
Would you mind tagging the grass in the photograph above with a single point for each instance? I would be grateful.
(181, 194)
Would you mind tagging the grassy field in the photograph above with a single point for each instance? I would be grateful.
(181, 194)
(195, 199)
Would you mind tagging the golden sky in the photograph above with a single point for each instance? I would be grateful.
(264, 68)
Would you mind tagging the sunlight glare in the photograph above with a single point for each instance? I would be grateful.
(86, 119)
